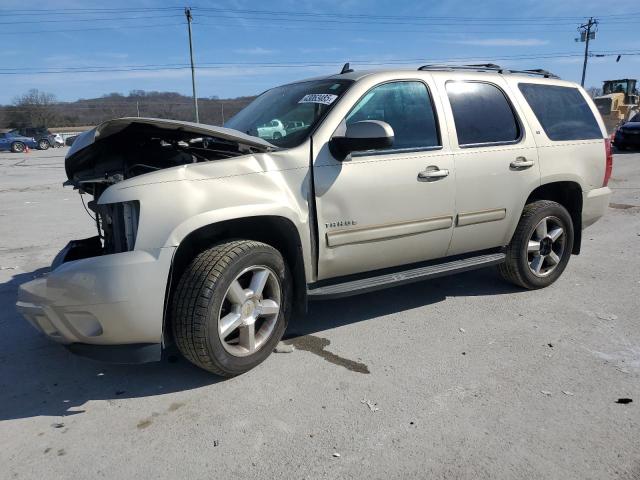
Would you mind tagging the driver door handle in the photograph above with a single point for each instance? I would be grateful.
(521, 163)
(432, 172)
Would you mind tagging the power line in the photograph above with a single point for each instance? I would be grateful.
(293, 64)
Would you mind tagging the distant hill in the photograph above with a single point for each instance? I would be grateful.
(213, 111)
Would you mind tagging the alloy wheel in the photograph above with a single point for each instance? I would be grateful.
(546, 246)
(249, 311)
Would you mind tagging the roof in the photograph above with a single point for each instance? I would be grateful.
(490, 70)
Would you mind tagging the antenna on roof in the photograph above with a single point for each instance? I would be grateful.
(346, 69)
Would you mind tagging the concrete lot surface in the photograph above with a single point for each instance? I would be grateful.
(465, 377)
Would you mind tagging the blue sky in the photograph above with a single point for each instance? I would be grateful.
(314, 38)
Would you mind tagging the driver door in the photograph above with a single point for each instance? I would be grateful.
(374, 210)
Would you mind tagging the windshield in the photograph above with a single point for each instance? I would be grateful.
(286, 115)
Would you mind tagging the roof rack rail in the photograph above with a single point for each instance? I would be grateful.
(487, 67)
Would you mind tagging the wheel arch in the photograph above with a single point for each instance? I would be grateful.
(276, 231)
(569, 195)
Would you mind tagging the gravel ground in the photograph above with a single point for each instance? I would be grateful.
(461, 377)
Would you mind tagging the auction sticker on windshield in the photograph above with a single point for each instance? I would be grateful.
(323, 98)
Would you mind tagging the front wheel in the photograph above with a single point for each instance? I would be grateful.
(17, 147)
(43, 144)
(231, 306)
(541, 246)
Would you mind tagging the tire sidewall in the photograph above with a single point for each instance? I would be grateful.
(259, 256)
(44, 144)
(560, 213)
(15, 147)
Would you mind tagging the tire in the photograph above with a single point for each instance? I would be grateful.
(205, 294)
(277, 135)
(521, 262)
(43, 144)
(17, 147)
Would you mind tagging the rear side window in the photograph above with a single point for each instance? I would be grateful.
(562, 111)
(406, 106)
(482, 114)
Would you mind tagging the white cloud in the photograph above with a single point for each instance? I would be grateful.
(503, 42)
(319, 50)
(255, 51)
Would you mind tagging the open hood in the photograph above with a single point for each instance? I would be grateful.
(109, 147)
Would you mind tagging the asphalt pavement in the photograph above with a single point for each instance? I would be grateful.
(464, 377)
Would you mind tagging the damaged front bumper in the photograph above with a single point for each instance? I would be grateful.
(109, 307)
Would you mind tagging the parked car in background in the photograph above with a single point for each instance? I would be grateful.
(58, 141)
(15, 142)
(628, 134)
(69, 141)
(391, 180)
(272, 130)
(44, 138)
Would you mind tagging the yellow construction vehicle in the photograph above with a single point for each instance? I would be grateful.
(619, 102)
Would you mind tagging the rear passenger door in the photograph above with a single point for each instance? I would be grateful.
(496, 162)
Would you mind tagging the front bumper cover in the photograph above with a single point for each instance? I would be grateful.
(104, 300)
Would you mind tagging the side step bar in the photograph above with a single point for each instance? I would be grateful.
(370, 284)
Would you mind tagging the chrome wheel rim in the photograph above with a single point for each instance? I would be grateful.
(249, 311)
(546, 246)
(18, 147)
(43, 145)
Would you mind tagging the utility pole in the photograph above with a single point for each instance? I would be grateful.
(222, 108)
(587, 32)
(138, 108)
(187, 13)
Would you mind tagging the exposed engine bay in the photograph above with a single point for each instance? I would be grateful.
(125, 148)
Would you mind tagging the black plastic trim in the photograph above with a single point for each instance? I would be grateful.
(118, 354)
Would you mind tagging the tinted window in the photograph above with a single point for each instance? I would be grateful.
(482, 113)
(406, 106)
(562, 111)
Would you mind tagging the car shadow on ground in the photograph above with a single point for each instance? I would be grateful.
(40, 378)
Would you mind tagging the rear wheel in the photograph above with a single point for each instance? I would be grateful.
(231, 306)
(277, 135)
(541, 246)
(17, 147)
(43, 144)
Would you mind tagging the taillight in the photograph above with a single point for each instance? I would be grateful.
(609, 165)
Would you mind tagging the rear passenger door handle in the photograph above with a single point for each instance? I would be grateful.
(432, 173)
(521, 163)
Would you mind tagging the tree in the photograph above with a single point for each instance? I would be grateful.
(34, 109)
(594, 92)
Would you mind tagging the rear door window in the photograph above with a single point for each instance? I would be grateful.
(407, 107)
(482, 114)
(562, 111)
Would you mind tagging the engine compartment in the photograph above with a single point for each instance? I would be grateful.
(142, 148)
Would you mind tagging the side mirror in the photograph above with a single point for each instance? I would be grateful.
(362, 136)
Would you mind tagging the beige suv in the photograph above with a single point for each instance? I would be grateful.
(213, 238)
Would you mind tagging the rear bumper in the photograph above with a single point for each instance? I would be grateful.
(108, 300)
(594, 205)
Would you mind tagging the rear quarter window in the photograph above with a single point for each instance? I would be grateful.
(562, 111)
